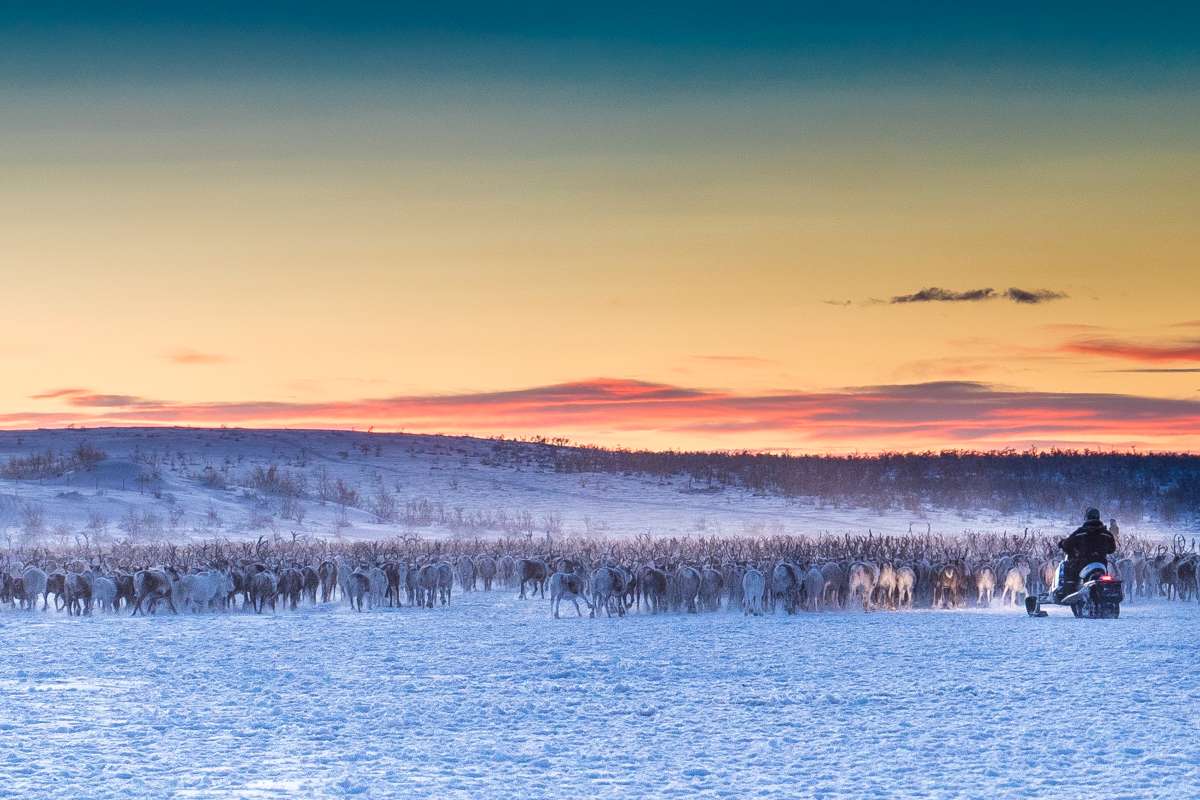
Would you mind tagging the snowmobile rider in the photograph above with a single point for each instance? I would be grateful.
(1090, 542)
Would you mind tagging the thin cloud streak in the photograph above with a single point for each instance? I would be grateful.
(1156, 370)
(1186, 350)
(944, 413)
(51, 394)
(190, 357)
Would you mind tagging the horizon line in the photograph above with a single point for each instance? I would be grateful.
(568, 443)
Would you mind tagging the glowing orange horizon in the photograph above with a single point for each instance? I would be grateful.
(960, 415)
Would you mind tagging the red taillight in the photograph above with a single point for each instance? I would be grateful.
(1107, 578)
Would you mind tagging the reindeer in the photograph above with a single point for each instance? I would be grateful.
(837, 584)
(985, 586)
(814, 588)
(412, 584)
(126, 591)
(358, 586)
(568, 586)
(77, 592)
(506, 570)
(754, 585)
(466, 573)
(427, 585)
(152, 586)
(200, 590)
(653, 586)
(687, 587)
(885, 588)
(1146, 577)
(345, 580)
(1127, 571)
(785, 586)
(862, 578)
(445, 582)
(1049, 574)
(906, 584)
(533, 571)
(1014, 584)
(732, 575)
(1169, 581)
(104, 593)
(711, 583)
(377, 587)
(485, 566)
(56, 584)
(949, 584)
(1185, 575)
(312, 583)
(290, 586)
(327, 571)
(608, 586)
(264, 588)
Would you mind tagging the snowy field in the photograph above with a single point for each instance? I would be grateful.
(491, 697)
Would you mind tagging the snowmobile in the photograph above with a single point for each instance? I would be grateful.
(1097, 594)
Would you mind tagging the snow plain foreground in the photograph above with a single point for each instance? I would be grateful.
(491, 697)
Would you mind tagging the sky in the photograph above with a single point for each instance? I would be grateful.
(805, 226)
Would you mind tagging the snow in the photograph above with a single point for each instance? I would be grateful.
(492, 697)
(456, 472)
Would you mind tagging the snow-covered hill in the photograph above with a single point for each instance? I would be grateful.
(179, 483)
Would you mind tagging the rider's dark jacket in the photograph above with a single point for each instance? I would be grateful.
(1090, 542)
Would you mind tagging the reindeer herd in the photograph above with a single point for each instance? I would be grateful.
(614, 577)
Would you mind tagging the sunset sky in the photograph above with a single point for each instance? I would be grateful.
(892, 226)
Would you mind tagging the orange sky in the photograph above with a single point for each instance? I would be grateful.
(446, 252)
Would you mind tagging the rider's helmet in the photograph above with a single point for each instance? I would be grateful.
(1092, 514)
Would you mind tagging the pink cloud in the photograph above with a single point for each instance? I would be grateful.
(944, 413)
(1185, 350)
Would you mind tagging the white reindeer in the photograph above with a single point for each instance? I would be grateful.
(863, 577)
(814, 589)
(378, 582)
(567, 586)
(906, 584)
(754, 585)
(1014, 585)
(35, 587)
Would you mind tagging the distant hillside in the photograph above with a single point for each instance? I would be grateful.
(152, 483)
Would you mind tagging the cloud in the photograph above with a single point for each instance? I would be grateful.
(1171, 370)
(902, 416)
(870, 301)
(1152, 352)
(195, 357)
(934, 294)
(111, 401)
(56, 393)
(1033, 297)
